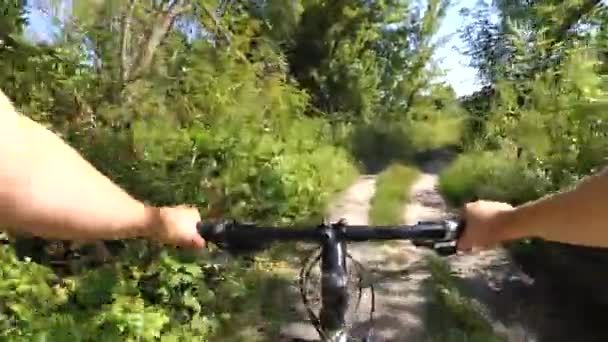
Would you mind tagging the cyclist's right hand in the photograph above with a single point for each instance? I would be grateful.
(484, 222)
(177, 226)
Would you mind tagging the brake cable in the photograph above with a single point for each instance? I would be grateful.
(362, 270)
(304, 274)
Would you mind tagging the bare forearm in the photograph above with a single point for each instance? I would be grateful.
(578, 216)
(49, 190)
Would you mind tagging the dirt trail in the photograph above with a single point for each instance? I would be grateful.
(399, 302)
(397, 269)
(519, 308)
(506, 296)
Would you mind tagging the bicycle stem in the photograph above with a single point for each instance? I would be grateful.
(334, 281)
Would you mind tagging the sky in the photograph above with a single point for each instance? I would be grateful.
(459, 75)
(40, 26)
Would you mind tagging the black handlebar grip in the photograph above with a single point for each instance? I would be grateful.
(212, 232)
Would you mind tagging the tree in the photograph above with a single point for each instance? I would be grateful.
(364, 58)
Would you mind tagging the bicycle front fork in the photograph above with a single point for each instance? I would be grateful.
(334, 286)
(334, 283)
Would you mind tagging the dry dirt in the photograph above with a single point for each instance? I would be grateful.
(507, 297)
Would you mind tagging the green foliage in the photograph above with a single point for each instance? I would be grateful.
(172, 296)
(392, 194)
(248, 110)
(435, 121)
(267, 162)
(453, 317)
(360, 60)
(539, 125)
(542, 117)
(377, 145)
(13, 18)
(543, 134)
(491, 175)
(200, 125)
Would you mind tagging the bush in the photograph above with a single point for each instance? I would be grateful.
(491, 175)
(398, 139)
(379, 144)
(429, 135)
(175, 296)
(237, 146)
(268, 178)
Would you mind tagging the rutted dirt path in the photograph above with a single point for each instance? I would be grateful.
(482, 274)
(519, 308)
(397, 269)
(394, 268)
(354, 203)
(508, 299)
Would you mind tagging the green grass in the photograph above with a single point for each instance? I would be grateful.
(493, 176)
(453, 317)
(392, 193)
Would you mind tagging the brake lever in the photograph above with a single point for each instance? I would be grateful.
(448, 245)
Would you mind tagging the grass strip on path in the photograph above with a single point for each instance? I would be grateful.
(392, 194)
(453, 317)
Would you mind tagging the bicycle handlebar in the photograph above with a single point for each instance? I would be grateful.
(442, 236)
(245, 236)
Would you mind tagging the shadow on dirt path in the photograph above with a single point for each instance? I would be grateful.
(524, 308)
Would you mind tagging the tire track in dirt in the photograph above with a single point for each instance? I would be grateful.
(506, 297)
(353, 205)
(395, 268)
(519, 308)
(479, 274)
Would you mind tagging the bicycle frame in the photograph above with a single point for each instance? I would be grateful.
(334, 283)
(332, 238)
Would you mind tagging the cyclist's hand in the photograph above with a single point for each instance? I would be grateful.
(177, 226)
(484, 222)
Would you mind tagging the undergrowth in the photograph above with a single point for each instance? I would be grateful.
(453, 317)
(392, 194)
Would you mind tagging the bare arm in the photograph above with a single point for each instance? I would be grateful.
(47, 189)
(578, 216)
